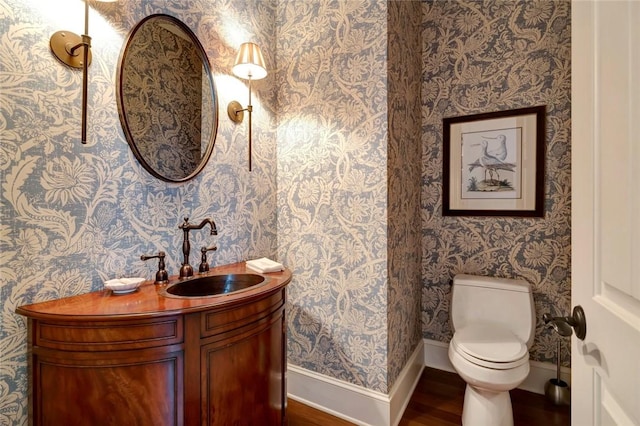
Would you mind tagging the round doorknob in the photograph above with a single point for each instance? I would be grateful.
(579, 322)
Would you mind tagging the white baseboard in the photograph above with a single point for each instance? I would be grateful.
(405, 384)
(355, 403)
(436, 356)
(365, 407)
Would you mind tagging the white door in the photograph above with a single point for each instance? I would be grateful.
(606, 211)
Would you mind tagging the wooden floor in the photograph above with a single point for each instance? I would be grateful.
(437, 401)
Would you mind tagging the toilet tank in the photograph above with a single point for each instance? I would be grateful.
(506, 302)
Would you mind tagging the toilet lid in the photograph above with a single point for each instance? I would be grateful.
(489, 345)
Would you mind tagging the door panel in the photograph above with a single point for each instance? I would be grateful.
(606, 211)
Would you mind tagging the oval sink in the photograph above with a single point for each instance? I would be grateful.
(213, 285)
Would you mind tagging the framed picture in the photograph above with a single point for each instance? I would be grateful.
(493, 164)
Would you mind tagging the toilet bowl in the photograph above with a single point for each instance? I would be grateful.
(491, 366)
(490, 349)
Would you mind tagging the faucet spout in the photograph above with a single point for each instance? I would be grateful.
(186, 270)
(207, 221)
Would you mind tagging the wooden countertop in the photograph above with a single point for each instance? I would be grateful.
(149, 300)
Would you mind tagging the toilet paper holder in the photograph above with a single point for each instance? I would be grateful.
(557, 390)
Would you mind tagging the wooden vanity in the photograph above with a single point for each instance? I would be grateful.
(147, 359)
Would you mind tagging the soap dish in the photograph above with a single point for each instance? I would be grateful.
(123, 285)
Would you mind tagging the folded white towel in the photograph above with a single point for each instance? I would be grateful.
(264, 265)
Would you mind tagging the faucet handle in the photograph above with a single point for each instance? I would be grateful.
(204, 265)
(161, 276)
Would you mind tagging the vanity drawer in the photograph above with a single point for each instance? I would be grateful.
(226, 321)
(109, 335)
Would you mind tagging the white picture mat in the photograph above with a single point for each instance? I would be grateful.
(526, 179)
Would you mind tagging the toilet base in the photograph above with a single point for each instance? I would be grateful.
(483, 407)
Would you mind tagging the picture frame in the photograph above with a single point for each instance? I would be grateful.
(493, 163)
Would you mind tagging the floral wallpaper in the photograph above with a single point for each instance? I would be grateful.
(332, 189)
(353, 245)
(404, 70)
(73, 215)
(483, 56)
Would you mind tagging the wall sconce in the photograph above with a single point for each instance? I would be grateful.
(75, 51)
(249, 65)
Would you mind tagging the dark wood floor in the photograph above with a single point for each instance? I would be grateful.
(437, 401)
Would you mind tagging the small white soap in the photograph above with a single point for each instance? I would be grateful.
(264, 265)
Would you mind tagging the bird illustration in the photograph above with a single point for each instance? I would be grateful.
(489, 162)
(501, 151)
(492, 161)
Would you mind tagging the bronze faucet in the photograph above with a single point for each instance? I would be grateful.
(186, 270)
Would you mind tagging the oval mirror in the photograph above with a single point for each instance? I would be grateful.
(166, 98)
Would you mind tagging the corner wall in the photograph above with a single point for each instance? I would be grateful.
(349, 186)
(404, 68)
(332, 186)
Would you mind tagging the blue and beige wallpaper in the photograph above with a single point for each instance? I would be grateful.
(404, 70)
(349, 185)
(483, 56)
(332, 194)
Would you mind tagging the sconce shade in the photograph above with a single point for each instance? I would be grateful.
(249, 62)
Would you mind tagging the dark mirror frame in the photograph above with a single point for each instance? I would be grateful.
(121, 104)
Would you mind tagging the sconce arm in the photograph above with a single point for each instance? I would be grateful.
(86, 42)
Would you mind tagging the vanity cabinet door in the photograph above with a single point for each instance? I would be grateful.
(141, 387)
(245, 380)
(243, 375)
(127, 372)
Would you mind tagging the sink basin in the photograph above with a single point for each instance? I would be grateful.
(213, 285)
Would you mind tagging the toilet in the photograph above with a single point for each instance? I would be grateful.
(494, 322)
